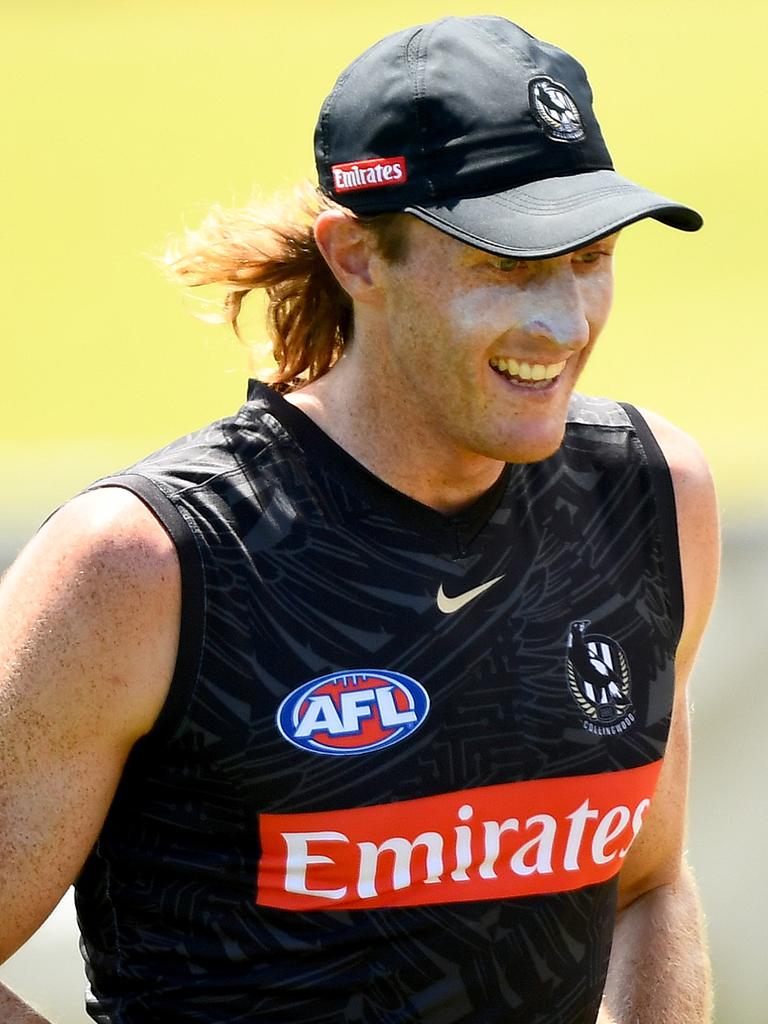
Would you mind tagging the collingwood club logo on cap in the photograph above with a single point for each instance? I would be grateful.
(555, 110)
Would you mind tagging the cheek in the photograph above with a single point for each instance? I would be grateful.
(597, 298)
(478, 312)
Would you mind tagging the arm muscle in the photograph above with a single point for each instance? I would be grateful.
(89, 616)
(659, 967)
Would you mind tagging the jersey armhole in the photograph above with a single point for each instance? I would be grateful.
(192, 625)
(664, 494)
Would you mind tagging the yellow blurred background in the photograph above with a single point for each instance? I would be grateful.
(123, 121)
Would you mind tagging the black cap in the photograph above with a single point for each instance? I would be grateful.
(483, 131)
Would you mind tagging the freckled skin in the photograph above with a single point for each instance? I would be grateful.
(90, 615)
(415, 397)
(450, 308)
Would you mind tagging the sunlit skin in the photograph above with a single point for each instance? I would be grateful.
(416, 399)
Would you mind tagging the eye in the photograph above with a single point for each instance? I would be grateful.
(590, 256)
(509, 263)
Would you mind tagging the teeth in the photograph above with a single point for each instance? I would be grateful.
(554, 370)
(536, 372)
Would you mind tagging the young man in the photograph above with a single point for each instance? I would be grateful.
(369, 702)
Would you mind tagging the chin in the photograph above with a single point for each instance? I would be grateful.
(530, 456)
(532, 449)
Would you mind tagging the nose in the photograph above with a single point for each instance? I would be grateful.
(556, 311)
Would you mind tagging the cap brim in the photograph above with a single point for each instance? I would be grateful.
(555, 215)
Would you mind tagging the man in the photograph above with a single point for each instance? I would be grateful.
(369, 702)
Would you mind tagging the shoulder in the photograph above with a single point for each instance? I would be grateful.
(95, 595)
(697, 522)
(692, 481)
(685, 458)
(109, 531)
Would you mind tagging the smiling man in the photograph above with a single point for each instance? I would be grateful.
(369, 702)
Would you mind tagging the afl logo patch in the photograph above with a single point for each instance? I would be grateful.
(599, 680)
(353, 712)
(555, 110)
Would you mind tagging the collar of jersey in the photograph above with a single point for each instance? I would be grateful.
(367, 493)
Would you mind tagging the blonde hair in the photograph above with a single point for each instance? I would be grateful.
(272, 247)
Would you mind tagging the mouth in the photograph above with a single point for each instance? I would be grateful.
(536, 376)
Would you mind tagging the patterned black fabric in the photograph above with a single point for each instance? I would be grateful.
(297, 562)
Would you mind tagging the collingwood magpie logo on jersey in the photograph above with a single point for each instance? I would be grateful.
(599, 680)
(555, 110)
(353, 712)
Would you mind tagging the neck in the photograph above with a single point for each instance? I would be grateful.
(384, 436)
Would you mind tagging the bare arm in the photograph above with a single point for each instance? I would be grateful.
(14, 1011)
(90, 614)
(659, 968)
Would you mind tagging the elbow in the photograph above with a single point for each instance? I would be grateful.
(674, 880)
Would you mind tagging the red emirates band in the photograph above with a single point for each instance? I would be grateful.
(369, 174)
(495, 842)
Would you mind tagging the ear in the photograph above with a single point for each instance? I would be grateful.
(348, 250)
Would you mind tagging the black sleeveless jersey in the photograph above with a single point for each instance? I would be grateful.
(404, 754)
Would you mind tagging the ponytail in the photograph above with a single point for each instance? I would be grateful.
(309, 315)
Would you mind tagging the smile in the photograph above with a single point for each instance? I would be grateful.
(536, 375)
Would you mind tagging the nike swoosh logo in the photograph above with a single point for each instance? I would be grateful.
(448, 605)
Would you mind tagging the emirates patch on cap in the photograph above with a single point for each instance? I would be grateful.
(555, 110)
(375, 173)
